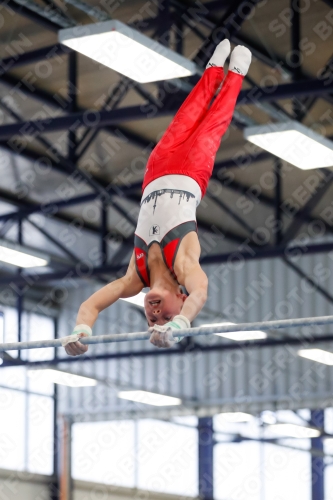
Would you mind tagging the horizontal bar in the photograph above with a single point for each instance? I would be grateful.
(188, 332)
(179, 349)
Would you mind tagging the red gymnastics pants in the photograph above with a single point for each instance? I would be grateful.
(190, 143)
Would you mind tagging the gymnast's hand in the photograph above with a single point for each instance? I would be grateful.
(161, 335)
(76, 348)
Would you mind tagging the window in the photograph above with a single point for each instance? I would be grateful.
(103, 452)
(147, 454)
(26, 435)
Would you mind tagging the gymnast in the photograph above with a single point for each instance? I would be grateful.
(166, 245)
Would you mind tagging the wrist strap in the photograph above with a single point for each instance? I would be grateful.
(182, 320)
(82, 329)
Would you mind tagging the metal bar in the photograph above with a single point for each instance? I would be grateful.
(251, 231)
(33, 16)
(295, 57)
(111, 102)
(46, 13)
(301, 341)
(317, 462)
(178, 34)
(9, 198)
(91, 11)
(51, 100)
(308, 102)
(189, 332)
(55, 241)
(87, 119)
(95, 119)
(66, 481)
(325, 183)
(259, 52)
(228, 210)
(205, 458)
(19, 292)
(309, 280)
(68, 166)
(55, 483)
(104, 234)
(50, 207)
(33, 56)
(278, 202)
(72, 103)
(244, 255)
(246, 190)
(286, 91)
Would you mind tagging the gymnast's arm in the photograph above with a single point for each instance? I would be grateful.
(127, 286)
(190, 274)
(196, 283)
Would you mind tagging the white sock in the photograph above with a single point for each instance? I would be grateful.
(240, 60)
(221, 52)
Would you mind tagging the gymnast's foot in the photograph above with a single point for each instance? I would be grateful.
(220, 54)
(240, 60)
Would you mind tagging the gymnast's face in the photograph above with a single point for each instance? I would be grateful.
(162, 305)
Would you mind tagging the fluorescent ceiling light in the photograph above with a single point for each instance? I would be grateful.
(295, 431)
(236, 416)
(319, 355)
(127, 51)
(62, 378)
(20, 256)
(268, 417)
(149, 398)
(137, 300)
(238, 336)
(293, 143)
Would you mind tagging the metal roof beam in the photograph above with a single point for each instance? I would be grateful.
(33, 56)
(57, 102)
(95, 119)
(29, 14)
(226, 27)
(245, 255)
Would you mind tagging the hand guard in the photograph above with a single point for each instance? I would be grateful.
(78, 332)
(161, 335)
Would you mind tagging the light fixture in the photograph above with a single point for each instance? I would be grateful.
(149, 398)
(268, 417)
(318, 355)
(20, 256)
(293, 430)
(137, 300)
(61, 377)
(127, 51)
(238, 336)
(234, 417)
(294, 143)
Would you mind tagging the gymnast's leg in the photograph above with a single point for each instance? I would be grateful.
(200, 150)
(196, 104)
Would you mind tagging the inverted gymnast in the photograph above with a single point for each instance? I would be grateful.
(166, 245)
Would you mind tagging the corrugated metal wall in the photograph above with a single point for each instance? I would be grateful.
(247, 379)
